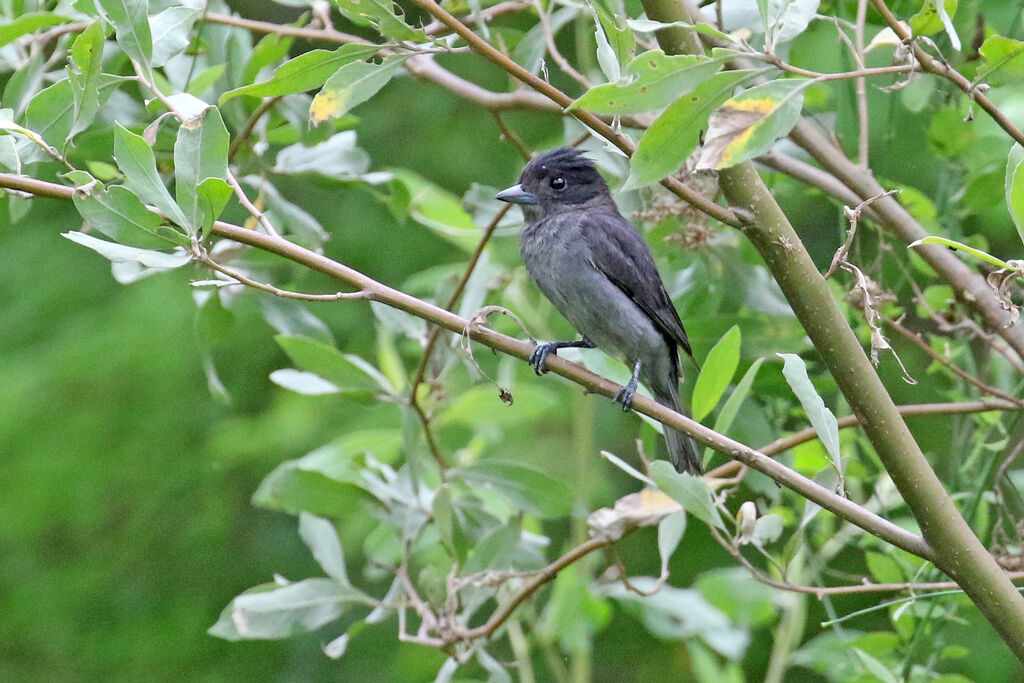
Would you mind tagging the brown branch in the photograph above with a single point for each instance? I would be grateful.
(436, 28)
(242, 280)
(543, 576)
(821, 592)
(783, 444)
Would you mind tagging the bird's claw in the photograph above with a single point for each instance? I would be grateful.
(625, 396)
(540, 355)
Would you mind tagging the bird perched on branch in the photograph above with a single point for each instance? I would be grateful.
(598, 271)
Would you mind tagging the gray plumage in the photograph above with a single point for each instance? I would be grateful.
(598, 271)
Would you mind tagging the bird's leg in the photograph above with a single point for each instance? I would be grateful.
(542, 351)
(625, 394)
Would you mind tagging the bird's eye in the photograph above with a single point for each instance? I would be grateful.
(557, 183)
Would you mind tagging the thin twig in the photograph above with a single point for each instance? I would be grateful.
(821, 591)
(250, 124)
(242, 280)
(549, 41)
(863, 137)
(860, 73)
(543, 576)
(785, 443)
(510, 137)
(946, 362)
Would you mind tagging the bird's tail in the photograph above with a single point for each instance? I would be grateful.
(681, 448)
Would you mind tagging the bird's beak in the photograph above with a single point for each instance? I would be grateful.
(516, 195)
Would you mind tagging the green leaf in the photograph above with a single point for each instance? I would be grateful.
(749, 124)
(615, 42)
(119, 253)
(87, 66)
(135, 158)
(201, 155)
(439, 210)
(532, 48)
(670, 532)
(883, 568)
(381, 15)
(717, 372)
(674, 134)
(953, 245)
(347, 372)
(930, 20)
(767, 529)
(656, 79)
(1003, 61)
(679, 614)
(877, 669)
(212, 196)
(117, 213)
(732, 405)
(273, 612)
(529, 488)
(132, 29)
(171, 32)
(29, 22)
(202, 81)
(351, 85)
(51, 112)
(301, 382)
(1015, 187)
(271, 48)
(689, 491)
(822, 419)
(307, 71)
(321, 538)
(786, 19)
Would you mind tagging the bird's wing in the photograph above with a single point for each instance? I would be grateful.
(620, 253)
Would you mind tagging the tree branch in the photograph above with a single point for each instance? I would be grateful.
(957, 550)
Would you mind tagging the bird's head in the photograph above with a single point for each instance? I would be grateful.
(560, 178)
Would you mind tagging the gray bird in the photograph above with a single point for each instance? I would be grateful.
(598, 271)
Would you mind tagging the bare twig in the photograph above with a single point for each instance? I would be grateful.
(205, 259)
(549, 41)
(250, 124)
(863, 137)
(785, 443)
(959, 372)
(821, 591)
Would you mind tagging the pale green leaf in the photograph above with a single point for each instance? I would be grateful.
(654, 80)
(351, 85)
(305, 72)
(135, 158)
(716, 373)
(689, 491)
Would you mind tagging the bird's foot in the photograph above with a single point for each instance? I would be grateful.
(540, 355)
(625, 395)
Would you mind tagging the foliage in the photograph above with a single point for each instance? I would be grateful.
(442, 492)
